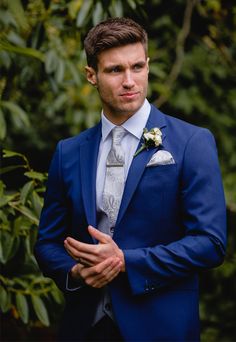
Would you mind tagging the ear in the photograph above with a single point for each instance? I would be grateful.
(148, 59)
(91, 75)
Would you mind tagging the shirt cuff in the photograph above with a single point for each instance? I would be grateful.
(72, 284)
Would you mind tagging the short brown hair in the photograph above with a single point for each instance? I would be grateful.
(110, 33)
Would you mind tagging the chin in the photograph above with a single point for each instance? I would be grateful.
(132, 108)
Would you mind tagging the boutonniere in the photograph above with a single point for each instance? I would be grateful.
(151, 138)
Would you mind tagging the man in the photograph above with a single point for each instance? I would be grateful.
(130, 219)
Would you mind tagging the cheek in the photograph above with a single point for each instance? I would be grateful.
(107, 89)
(141, 81)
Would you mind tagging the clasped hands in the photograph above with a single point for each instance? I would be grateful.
(98, 264)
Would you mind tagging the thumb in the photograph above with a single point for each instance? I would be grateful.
(101, 237)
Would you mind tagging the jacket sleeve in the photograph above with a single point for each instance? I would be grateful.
(50, 253)
(203, 218)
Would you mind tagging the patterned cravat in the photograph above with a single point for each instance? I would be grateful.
(115, 178)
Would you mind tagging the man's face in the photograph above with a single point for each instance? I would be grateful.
(121, 80)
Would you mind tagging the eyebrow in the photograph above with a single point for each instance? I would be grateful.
(110, 67)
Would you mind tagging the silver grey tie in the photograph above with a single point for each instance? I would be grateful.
(115, 176)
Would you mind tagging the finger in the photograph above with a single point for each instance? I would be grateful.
(106, 273)
(83, 258)
(104, 278)
(99, 269)
(101, 237)
(76, 271)
(79, 246)
(71, 250)
(96, 269)
(89, 259)
(85, 262)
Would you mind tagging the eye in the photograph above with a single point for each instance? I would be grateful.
(138, 67)
(115, 69)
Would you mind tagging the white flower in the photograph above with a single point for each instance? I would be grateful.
(148, 136)
(152, 138)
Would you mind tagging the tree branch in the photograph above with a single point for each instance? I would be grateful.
(180, 45)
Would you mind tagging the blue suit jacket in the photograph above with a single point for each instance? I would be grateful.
(171, 224)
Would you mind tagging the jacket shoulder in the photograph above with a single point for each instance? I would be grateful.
(77, 140)
(180, 129)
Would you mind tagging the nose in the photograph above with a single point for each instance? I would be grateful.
(128, 81)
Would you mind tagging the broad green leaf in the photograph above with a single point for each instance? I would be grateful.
(35, 175)
(22, 307)
(28, 246)
(37, 203)
(74, 73)
(28, 213)
(7, 18)
(57, 296)
(4, 217)
(33, 237)
(83, 13)
(73, 7)
(4, 200)
(25, 191)
(3, 127)
(60, 71)
(116, 8)
(23, 282)
(6, 245)
(2, 188)
(14, 247)
(22, 225)
(97, 13)
(17, 10)
(132, 4)
(51, 61)
(11, 168)
(60, 101)
(6, 46)
(5, 303)
(16, 39)
(18, 115)
(40, 310)
(9, 154)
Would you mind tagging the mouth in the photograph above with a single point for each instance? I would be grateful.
(129, 95)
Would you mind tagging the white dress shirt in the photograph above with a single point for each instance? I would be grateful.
(134, 127)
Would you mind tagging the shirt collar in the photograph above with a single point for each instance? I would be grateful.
(134, 125)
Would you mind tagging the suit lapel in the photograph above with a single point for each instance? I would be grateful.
(88, 165)
(156, 119)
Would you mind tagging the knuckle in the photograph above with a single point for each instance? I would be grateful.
(97, 270)
(108, 239)
(89, 281)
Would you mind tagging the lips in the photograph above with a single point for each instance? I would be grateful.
(129, 94)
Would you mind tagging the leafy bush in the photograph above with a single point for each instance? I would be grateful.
(23, 289)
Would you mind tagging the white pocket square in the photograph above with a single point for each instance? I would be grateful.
(161, 157)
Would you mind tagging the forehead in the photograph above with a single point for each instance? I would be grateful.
(122, 55)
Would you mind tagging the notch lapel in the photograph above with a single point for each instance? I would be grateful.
(138, 165)
(88, 165)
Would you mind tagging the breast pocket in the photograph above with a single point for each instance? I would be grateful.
(161, 174)
(159, 190)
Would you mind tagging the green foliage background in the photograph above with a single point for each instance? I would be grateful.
(44, 97)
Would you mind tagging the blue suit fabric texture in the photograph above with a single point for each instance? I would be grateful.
(171, 225)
